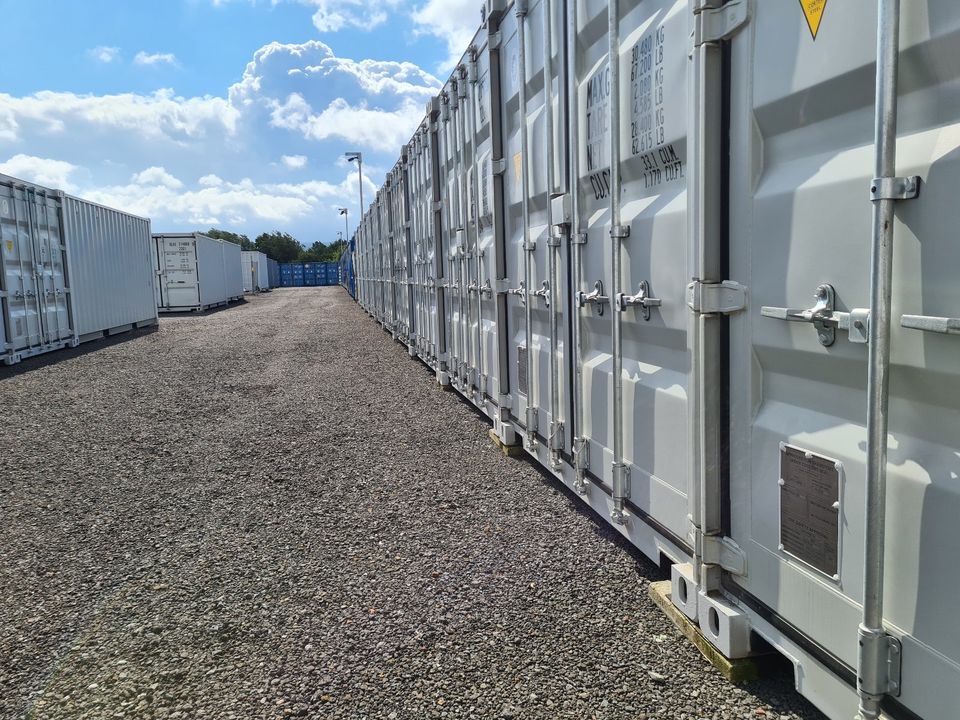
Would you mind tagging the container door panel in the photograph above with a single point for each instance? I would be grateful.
(23, 309)
(49, 253)
(654, 42)
(486, 233)
(179, 272)
(802, 162)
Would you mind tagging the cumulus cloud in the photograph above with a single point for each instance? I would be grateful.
(155, 193)
(161, 114)
(104, 54)
(42, 171)
(185, 161)
(453, 21)
(294, 162)
(156, 176)
(334, 15)
(361, 125)
(150, 59)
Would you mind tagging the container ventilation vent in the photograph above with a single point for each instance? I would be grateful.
(522, 370)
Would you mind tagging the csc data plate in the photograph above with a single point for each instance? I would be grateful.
(810, 508)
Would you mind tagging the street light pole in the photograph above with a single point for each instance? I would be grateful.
(358, 158)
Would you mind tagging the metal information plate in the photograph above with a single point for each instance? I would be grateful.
(810, 508)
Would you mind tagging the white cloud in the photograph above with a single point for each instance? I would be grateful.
(104, 54)
(156, 194)
(294, 162)
(453, 21)
(150, 59)
(156, 176)
(334, 15)
(159, 115)
(361, 125)
(42, 171)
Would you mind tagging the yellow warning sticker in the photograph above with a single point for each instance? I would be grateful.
(813, 12)
(9, 246)
(517, 164)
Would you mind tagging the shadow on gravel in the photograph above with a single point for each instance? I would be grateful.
(777, 681)
(204, 313)
(58, 356)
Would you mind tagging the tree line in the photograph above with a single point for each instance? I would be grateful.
(283, 247)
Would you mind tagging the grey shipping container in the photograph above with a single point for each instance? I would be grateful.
(659, 252)
(72, 271)
(196, 272)
(256, 276)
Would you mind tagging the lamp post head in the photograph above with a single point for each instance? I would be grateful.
(351, 156)
(344, 211)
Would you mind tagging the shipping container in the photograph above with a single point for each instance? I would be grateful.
(72, 271)
(273, 273)
(196, 272)
(256, 273)
(658, 252)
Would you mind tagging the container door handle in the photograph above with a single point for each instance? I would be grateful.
(520, 292)
(927, 323)
(642, 300)
(596, 297)
(825, 319)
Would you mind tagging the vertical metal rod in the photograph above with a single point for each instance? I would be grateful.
(573, 159)
(617, 233)
(475, 211)
(528, 247)
(553, 244)
(466, 311)
(871, 681)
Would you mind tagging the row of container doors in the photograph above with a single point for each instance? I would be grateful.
(634, 331)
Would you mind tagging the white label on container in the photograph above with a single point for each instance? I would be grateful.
(657, 111)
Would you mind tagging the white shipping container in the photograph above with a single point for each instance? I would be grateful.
(195, 272)
(72, 271)
(256, 273)
(694, 251)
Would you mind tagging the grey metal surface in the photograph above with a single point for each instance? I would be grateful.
(683, 379)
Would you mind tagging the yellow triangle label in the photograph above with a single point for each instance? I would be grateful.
(813, 12)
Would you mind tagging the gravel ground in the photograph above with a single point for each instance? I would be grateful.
(270, 511)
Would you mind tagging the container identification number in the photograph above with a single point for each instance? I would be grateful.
(598, 132)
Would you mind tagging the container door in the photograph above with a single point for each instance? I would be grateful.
(22, 310)
(49, 253)
(528, 239)
(179, 272)
(654, 43)
(802, 160)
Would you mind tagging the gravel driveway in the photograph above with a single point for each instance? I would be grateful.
(271, 511)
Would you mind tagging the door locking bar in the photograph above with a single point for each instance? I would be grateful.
(520, 292)
(596, 297)
(543, 292)
(642, 300)
(825, 319)
(927, 323)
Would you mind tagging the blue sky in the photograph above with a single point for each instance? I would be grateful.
(231, 113)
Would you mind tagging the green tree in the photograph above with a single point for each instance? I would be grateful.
(280, 246)
(243, 241)
(317, 252)
(321, 252)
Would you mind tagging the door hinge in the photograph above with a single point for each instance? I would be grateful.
(723, 551)
(715, 24)
(879, 671)
(716, 298)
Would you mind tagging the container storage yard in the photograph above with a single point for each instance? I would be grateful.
(634, 393)
(708, 336)
(202, 537)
